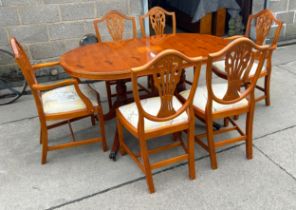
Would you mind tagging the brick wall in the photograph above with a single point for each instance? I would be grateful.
(284, 10)
(48, 28)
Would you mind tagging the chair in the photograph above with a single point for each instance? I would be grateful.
(64, 102)
(158, 116)
(265, 21)
(115, 23)
(157, 17)
(221, 101)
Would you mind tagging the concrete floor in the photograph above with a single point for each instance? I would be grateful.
(84, 177)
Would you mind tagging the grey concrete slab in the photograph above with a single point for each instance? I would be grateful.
(68, 174)
(237, 184)
(281, 148)
(284, 55)
(23, 108)
(279, 115)
(291, 67)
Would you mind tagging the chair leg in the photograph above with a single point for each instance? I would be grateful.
(249, 132)
(93, 120)
(40, 141)
(191, 163)
(44, 136)
(102, 128)
(108, 90)
(120, 137)
(267, 90)
(145, 158)
(226, 122)
(211, 144)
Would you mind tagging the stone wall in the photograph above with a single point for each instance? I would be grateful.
(48, 28)
(284, 10)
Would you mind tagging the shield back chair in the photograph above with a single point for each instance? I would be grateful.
(221, 101)
(266, 26)
(157, 19)
(115, 23)
(162, 115)
(62, 103)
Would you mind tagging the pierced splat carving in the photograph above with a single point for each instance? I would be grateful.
(264, 20)
(238, 64)
(165, 80)
(157, 19)
(115, 23)
(263, 25)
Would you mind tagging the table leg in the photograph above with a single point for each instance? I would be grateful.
(121, 99)
(115, 147)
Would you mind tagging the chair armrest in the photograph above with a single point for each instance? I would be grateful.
(44, 65)
(234, 37)
(42, 87)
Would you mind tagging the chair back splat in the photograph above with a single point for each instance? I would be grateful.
(157, 18)
(264, 21)
(239, 57)
(115, 23)
(166, 71)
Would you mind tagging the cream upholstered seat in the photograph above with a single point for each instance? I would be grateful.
(66, 99)
(220, 65)
(201, 97)
(151, 106)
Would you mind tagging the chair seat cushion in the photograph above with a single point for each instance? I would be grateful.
(220, 65)
(151, 106)
(66, 99)
(201, 97)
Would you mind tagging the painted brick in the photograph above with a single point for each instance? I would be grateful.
(89, 27)
(103, 6)
(8, 16)
(291, 31)
(20, 2)
(47, 50)
(3, 36)
(29, 34)
(39, 14)
(286, 17)
(136, 7)
(277, 6)
(66, 30)
(60, 1)
(292, 5)
(77, 11)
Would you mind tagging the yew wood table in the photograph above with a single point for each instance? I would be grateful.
(113, 60)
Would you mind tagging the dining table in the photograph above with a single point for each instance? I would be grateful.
(114, 60)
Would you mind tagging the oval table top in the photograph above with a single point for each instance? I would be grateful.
(113, 60)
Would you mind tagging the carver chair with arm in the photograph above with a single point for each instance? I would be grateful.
(60, 103)
(221, 101)
(266, 27)
(162, 115)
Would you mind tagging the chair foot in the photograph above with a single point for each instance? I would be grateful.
(112, 156)
(216, 126)
(267, 101)
(214, 166)
(105, 148)
(44, 157)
